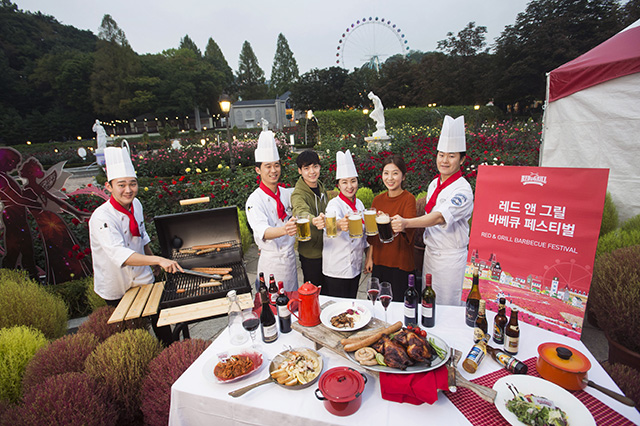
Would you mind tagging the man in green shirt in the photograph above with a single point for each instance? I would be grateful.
(310, 198)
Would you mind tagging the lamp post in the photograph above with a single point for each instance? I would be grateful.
(225, 106)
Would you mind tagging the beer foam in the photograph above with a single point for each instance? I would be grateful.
(305, 220)
(369, 212)
(382, 219)
(355, 217)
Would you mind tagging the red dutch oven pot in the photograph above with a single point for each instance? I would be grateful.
(341, 390)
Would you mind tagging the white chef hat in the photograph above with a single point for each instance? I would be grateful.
(344, 165)
(118, 162)
(452, 137)
(266, 151)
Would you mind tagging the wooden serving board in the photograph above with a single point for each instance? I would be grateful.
(330, 339)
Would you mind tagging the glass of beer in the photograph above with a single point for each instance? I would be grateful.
(303, 225)
(385, 233)
(355, 225)
(370, 226)
(330, 224)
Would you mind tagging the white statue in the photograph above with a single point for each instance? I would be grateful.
(265, 124)
(378, 116)
(101, 135)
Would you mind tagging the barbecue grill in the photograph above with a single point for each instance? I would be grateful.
(177, 233)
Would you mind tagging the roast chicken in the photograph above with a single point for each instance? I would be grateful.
(416, 346)
(395, 355)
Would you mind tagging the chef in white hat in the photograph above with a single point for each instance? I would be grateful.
(119, 241)
(269, 215)
(446, 219)
(342, 256)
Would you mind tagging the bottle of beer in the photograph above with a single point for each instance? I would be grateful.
(480, 328)
(428, 303)
(499, 322)
(476, 355)
(273, 290)
(512, 333)
(268, 325)
(411, 302)
(262, 283)
(473, 300)
(507, 361)
(284, 316)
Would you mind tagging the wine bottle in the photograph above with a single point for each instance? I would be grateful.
(473, 300)
(512, 333)
(262, 283)
(411, 303)
(476, 355)
(273, 290)
(428, 303)
(268, 325)
(499, 322)
(507, 361)
(284, 316)
(480, 328)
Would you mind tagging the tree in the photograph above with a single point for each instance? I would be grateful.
(320, 89)
(468, 42)
(111, 32)
(214, 56)
(284, 71)
(251, 82)
(187, 43)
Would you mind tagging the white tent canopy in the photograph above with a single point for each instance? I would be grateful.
(592, 116)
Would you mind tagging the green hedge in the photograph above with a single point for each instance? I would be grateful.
(17, 346)
(609, 216)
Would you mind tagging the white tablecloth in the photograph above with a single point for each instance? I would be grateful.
(196, 400)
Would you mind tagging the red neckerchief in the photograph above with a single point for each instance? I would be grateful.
(350, 203)
(133, 224)
(282, 213)
(439, 187)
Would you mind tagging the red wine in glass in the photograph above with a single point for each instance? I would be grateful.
(385, 300)
(251, 324)
(386, 294)
(373, 294)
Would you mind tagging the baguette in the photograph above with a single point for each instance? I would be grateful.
(370, 340)
(388, 330)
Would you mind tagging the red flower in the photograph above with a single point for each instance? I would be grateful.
(70, 253)
(87, 250)
(75, 221)
(159, 195)
(75, 247)
(80, 256)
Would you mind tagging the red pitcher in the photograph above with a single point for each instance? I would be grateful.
(308, 305)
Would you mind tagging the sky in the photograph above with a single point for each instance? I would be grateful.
(313, 29)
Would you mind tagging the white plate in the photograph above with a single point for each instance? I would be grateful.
(340, 307)
(416, 368)
(577, 413)
(207, 369)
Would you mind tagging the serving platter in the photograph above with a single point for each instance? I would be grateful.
(209, 366)
(416, 368)
(362, 315)
(577, 413)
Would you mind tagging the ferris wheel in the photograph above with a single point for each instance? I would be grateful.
(369, 42)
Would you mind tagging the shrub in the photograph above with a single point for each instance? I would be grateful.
(66, 399)
(163, 372)
(96, 324)
(631, 224)
(615, 295)
(627, 379)
(65, 355)
(245, 233)
(95, 302)
(609, 216)
(616, 239)
(25, 302)
(120, 364)
(365, 195)
(74, 294)
(17, 346)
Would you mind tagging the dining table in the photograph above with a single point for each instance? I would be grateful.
(198, 399)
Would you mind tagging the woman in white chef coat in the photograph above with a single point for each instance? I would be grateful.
(269, 215)
(446, 219)
(342, 256)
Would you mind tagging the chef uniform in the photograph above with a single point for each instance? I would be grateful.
(445, 254)
(342, 255)
(277, 256)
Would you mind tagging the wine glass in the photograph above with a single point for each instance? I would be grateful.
(386, 294)
(251, 322)
(373, 290)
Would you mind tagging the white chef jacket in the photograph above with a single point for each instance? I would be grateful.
(342, 255)
(111, 245)
(445, 254)
(277, 256)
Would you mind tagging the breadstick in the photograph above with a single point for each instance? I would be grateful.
(368, 341)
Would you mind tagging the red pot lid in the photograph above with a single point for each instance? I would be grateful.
(564, 357)
(341, 384)
(307, 289)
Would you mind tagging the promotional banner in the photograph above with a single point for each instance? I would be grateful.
(534, 236)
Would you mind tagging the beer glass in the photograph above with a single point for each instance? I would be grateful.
(355, 225)
(370, 226)
(330, 224)
(303, 225)
(385, 233)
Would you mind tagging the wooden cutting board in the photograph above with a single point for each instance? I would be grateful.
(330, 339)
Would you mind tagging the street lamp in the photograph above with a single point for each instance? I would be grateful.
(225, 106)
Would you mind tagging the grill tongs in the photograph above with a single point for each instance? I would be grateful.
(202, 274)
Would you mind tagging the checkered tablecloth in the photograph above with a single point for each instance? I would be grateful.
(482, 413)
